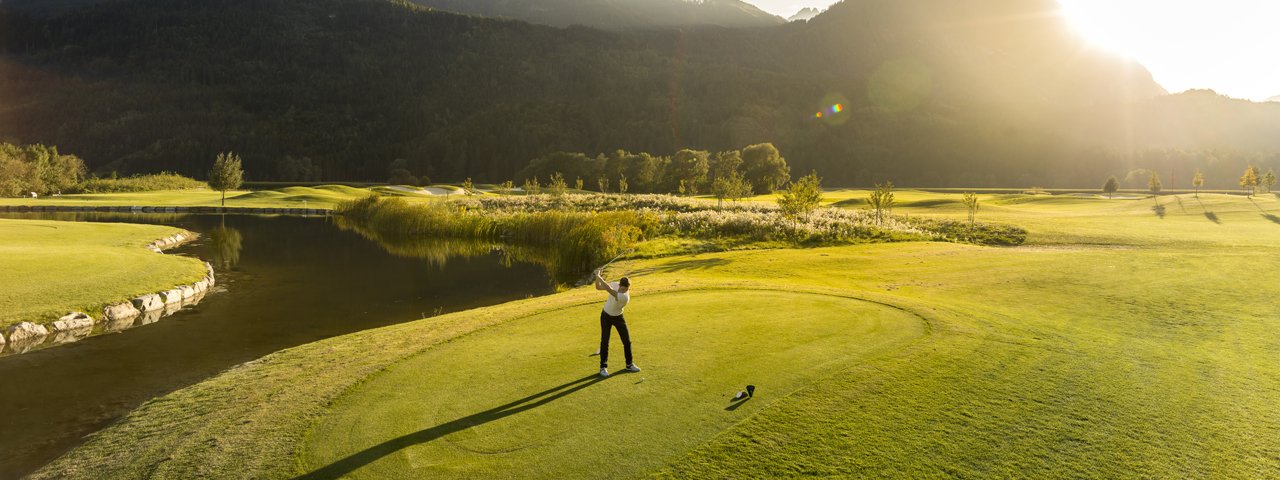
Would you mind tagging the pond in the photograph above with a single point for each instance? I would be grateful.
(281, 282)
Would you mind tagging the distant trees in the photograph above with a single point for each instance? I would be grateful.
(1153, 183)
(764, 167)
(577, 184)
(1249, 181)
(399, 174)
(1111, 187)
(801, 197)
(881, 201)
(970, 201)
(226, 174)
(38, 169)
(690, 167)
(1268, 181)
(760, 166)
(531, 186)
(1198, 181)
(298, 169)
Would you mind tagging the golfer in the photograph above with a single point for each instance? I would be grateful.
(611, 317)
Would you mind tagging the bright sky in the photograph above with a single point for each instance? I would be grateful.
(1231, 46)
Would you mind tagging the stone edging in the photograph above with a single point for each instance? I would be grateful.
(150, 209)
(141, 310)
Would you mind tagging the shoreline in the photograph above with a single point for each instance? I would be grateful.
(161, 209)
(112, 317)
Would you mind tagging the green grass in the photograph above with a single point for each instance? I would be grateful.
(49, 268)
(325, 196)
(1117, 343)
(530, 405)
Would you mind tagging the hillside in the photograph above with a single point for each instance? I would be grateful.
(613, 14)
(980, 92)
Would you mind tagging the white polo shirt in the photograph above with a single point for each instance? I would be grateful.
(614, 305)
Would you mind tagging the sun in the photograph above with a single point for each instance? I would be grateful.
(1106, 25)
(1225, 45)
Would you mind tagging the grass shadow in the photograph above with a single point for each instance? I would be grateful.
(1213, 217)
(1273, 218)
(1159, 209)
(737, 404)
(694, 264)
(369, 455)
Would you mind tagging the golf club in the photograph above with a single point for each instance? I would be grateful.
(620, 255)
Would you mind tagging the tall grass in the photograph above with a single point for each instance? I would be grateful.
(577, 240)
(137, 183)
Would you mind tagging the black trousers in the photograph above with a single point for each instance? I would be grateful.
(607, 322)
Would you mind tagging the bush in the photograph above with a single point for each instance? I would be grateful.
(138, 183)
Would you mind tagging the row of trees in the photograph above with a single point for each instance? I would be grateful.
(37, 169)
(1252, 182)
(758, 168)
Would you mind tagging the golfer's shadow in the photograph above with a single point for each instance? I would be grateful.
(372, 454)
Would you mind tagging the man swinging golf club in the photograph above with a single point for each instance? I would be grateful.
(611, 317)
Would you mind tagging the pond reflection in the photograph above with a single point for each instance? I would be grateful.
(437, 252)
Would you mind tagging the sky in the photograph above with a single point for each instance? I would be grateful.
(1230, 46)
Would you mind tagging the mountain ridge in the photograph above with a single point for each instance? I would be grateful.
(927, 97)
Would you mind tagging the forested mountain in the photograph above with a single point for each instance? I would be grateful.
(615, 14)
(963, 93)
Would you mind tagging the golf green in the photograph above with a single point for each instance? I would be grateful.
(524, 397)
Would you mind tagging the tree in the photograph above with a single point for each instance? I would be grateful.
(506, 187)
(681, 189)
(1198, 181)
(577, 184)
(801, 197)
(467, 186)
(557, 185)
(881, 201)
(603, 183)
(531, 186)
(226, 174)
(970, 200)
(764, 167)
(726, 163)
(398, 173)
(690, 167)
(1153, 183)
(622, 184)
(1268, 180)
(1249, 181)
(1111, 187)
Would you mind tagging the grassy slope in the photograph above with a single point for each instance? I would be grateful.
(289, 197)
(49, 268)
(1117, 344)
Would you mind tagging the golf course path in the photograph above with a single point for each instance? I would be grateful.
(523, 396)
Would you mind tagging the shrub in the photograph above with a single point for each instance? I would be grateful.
(138, 183)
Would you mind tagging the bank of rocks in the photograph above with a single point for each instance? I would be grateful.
(149, 209)
(141, 310)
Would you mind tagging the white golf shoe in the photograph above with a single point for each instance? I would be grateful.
(604, 372)
(633, 368)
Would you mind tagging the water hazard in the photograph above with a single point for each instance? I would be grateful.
(281, 282)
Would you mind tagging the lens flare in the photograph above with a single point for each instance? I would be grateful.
(833, 109)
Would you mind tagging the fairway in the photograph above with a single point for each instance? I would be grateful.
(523, 397)
(1116, 344)
(49, 268)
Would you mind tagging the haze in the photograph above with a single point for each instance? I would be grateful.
(1224, 45)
